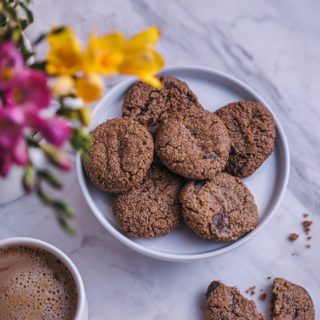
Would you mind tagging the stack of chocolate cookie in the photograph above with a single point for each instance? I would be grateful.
(207, 152)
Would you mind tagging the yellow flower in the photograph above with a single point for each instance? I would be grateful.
(140, 59)
(110, 54)
(104, 54)
(62, 85)
(89, 87)
(64, 57)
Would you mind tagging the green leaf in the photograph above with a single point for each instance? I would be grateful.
(52, 179)
(40, 65)
(44, 197)
(63, 208)
(66, 226)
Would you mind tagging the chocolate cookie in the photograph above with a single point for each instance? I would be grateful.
(151, 107)
(252, 132)
(226, 303)
(291, 301)
(194, 144)
(121, 153)
(152, 209)
(222, 209)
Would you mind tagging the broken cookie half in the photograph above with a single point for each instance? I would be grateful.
(226, 303)
(290, 302)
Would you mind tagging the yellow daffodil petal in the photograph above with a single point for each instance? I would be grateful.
(141, 63)
(89, 87)
(104, 54)
(144, 39)
(112, 41)
(152, 80)
(62, 85)
(64, 56)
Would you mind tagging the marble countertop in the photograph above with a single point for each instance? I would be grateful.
(274, 47)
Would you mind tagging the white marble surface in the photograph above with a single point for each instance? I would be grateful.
(271, 45)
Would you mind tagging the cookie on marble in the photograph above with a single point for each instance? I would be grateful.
(226, 303)
(152, 209)
(151, 107)
(121, 154)
(194, 144)
(221, 209)
(291, 301)
(252, 133)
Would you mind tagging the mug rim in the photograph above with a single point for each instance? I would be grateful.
(82, 300)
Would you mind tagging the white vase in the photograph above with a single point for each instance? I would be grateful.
(11, 186)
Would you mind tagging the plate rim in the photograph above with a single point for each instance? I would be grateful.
(194, 256)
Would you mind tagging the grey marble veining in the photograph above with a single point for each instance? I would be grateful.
(274, 47)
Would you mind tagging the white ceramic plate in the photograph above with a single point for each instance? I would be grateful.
(268, 184)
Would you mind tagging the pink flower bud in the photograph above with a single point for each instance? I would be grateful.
(57, 156)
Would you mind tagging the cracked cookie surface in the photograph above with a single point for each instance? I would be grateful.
(221, 209)
(121, 154)
(152, 209)
(252, 133)
(151, 107)
(226, 303)
(291, 301)
(194, 144)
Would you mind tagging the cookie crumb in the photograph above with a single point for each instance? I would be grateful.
(262, 296)
(293, 236)
(307, 223)
(251, 291)
(293, 253)
(305, 215)
(309, 238)
(269, 278)
(308, 246)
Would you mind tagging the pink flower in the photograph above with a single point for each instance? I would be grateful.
(11, 63)
(12, 146)
(55, 130)
(12, 121)
(18, 155)
(30, 90)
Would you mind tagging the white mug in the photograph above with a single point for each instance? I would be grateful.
(82, 309)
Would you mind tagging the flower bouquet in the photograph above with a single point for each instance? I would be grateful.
(45, 105)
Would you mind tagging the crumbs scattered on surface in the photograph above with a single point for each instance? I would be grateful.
(309, 238)
(306, 225)
(293, 236)
(308, 246)
(262, 296)
(251, 290)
